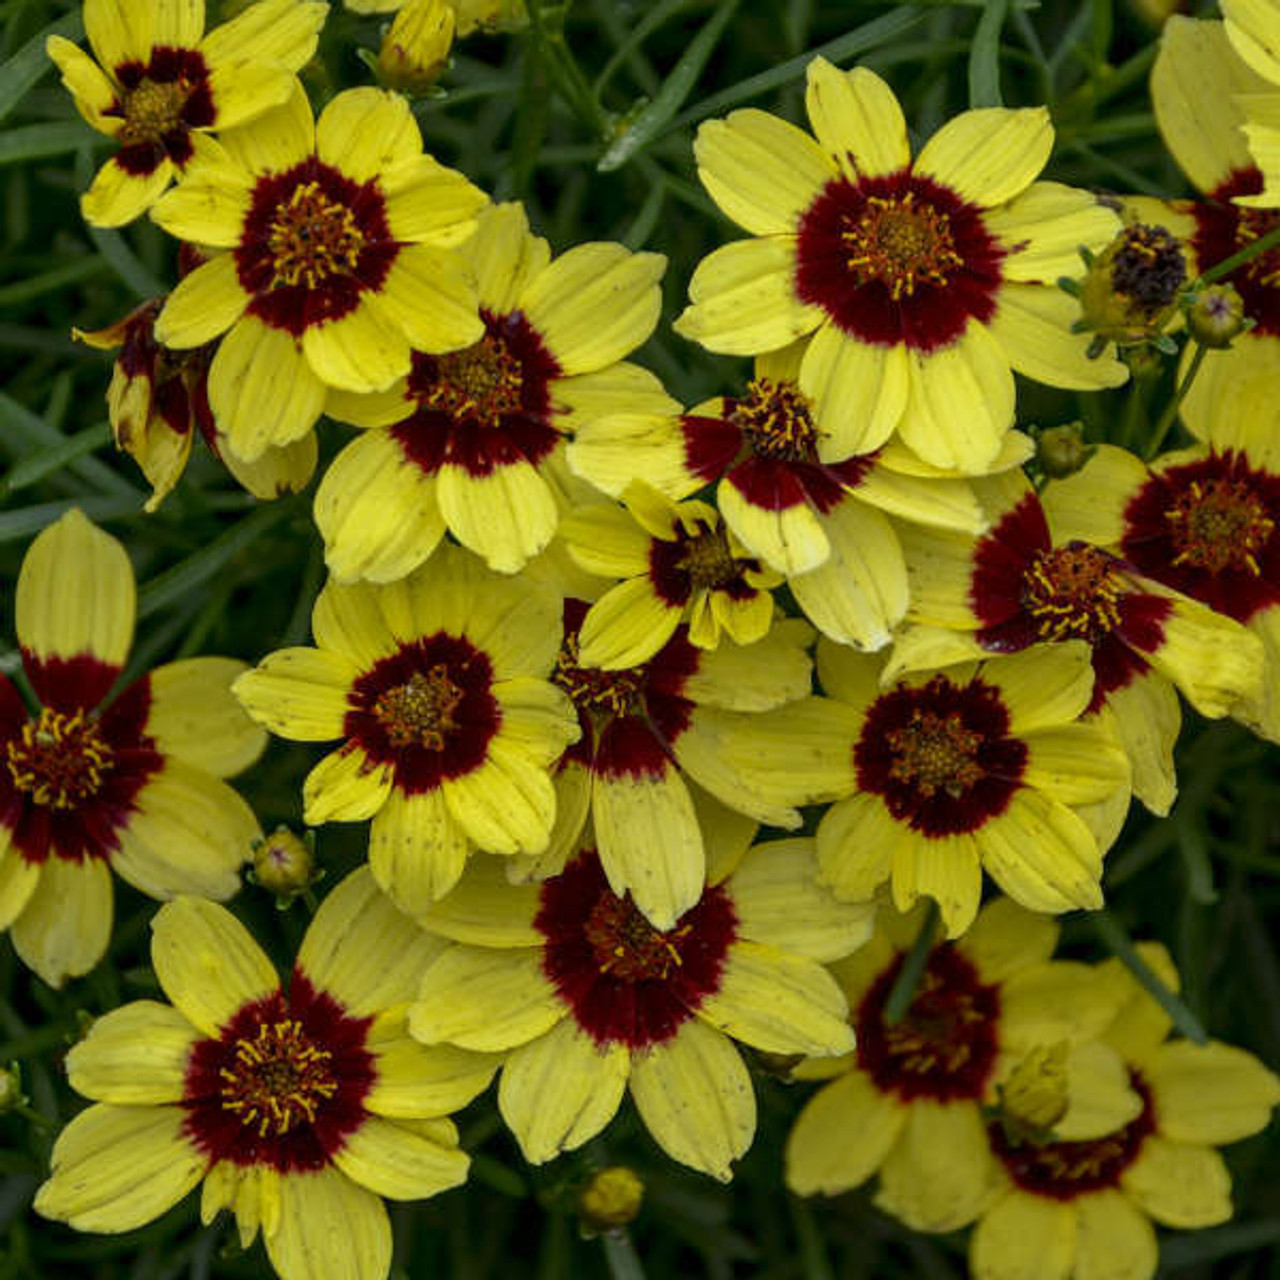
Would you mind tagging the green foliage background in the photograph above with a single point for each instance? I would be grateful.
(588, 117)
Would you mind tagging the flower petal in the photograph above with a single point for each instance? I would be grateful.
(417, 849)
(134, 1055)
(859, 391)
(1210, 1094)
(330, 1227)
(194, 716)
(1178, 1184)
(857, 120)
(398, 1163)
(1114, 1241)
(507, 516)
(202, 305)
(428, 295)
(1025, 1237)
(365, 350)
(989, 155)
(117, 197)
(299, 693)
(365, 131)
(64, 929)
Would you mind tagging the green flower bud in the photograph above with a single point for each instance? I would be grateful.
(284, 865)
(611, 1199)
(1062, 451)
(1216, 315)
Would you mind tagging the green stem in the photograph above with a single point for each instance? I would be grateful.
(908, 979)
(1247, 254)
(37, 1118)
(620, 1254)
(563, 68)
(1166, 419)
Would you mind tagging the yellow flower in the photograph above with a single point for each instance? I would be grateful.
(162, 80)
(299, 1109)
(588, 999)
(925, 282)
(416, 47)
(1084, 1207)
(470, 440)
(680, 564)
(1039, 576)
(944, 773)
(438, 687)
(91, 782)
(909, 1103)
(330, 245)
(822, 524)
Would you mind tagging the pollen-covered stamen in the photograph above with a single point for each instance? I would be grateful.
(902, 242)
(1253, 224)
(420, 711)
(708, 560)
(277, 1078)
(311, 238)
(627, 946)
(1149, 266)
(591, 689)
(482, 382)
(775, 418)
(59, 760)
(1073, 593)
(936, 753)
(1218, 524)
(152, 109)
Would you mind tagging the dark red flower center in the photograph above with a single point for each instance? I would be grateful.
(1219, 524)
(699, 559)
(945, 1045)
(284, 1083)
(897, 259)
(60, 760)
(1223, 228)
(1064, 1170)
(483, 382)
(1073, 592)
(940, 755)
(775, 421)
(312, 242)
(609, 693)
(160, 102)
(427, 710)
(625, 981)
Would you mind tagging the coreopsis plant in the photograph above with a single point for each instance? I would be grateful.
(469, 440)
(589, 1000)
(924, 281)
(160, 80)
(910, 1103)
(946, 773)
(1032, 580)
(1072, 1208)
(437, 686)
(96, 780)
(297, 1106)
(330, 253)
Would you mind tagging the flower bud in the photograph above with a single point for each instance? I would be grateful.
(1131, 288)
(1062, 451)
(490, 16)
(1216, 315)
(611, 1199)
(415, 49)
(284, 865)
(11, 1095)
(1034, 1097)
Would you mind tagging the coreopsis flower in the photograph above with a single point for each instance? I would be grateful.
(416, 46)
(1028, 581)
(1198, 86)
(910, 1102)
(589, 999)
(821, 524)
(941, 774)
(925, 282)
(1085, 1207)
(467, 441)
(678, 564)
(298, 1106)
(91, 782)
(330, 256)
(158, 400)
(159, 80)
(649, 731)
(438, 687)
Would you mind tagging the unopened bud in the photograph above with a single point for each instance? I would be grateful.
(416, 47)
(11, 1095)
(1034, 1097)
(1131, 288)
(611, 1199)
(284, 865)
(1062, 451)
(1216, 315)
(490, 16)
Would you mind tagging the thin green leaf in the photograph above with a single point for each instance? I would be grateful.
(647, 219)
(1222, 1242)
(75, 272)
(675, 89)
(904, 985)
(1117, 942)
(34, 142)
(1196, 863)
(26, 522)
(984, 57)
(31, 62)
(814, 1263)
(139, 278)
(39, 465)
(628, 50)
(22, 431)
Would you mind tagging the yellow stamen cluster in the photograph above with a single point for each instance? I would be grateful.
(775, 418)
(59, 760)
(278, 1079)
(708, 560)
(626, 945)
(482, 382)
(313, 237)
(590, 689)
(420, 712)
(936, 753)
(1073, 593)
(151, 110)
(1219, 524)
(1252, 225)
(901, 242)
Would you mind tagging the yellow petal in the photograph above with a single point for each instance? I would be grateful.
(194, 716)
(627, 626)
(507, 517)
(64, 929)
(76, 594)
(202, 305)
(347, 620)
(1210, 1094)
(1114, 1241)
(1042, 232)
(506, 256)
(859, 391)
(116, 1168)
(1025, 1237)
(507, 805)
(789, 539)
(118, 31)
(299, 693)
(1006, 937)
(990, 155)
(416, 1080)
(946, 869)
(365, 131)
(561, 1090)
(207, 963)
(1090, 505)
(763, 172)
(18, 879)
(946, 504)
(345, 787)
(1043, 687)
(857, 120)
(1077, 764)
(694, 1094)
(417, 850)
(118, 196)
(758, 676)
(428, 295)
(857, 840)
(328, 1226)
(283, 31)
(1179, 1184)
(1147, 718)
(210, 204)
(365, 350)
(92, 92)
(133, 1055)
(398, 1163)
(276, 140)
